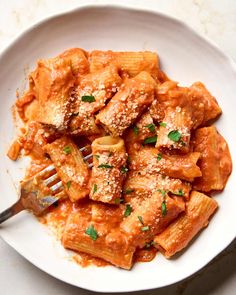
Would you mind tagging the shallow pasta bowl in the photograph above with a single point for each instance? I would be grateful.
(186, 57)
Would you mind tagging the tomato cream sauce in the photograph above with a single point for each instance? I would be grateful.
(145, 255)
(56, 219)
(85, 260)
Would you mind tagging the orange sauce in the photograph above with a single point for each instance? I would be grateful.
(58, 213)
(85, 260)
(35, 167)
(56, 218)
(145, 255)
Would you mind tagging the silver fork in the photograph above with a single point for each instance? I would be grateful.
(32, 196)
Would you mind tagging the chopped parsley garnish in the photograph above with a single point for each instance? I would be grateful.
(140, 218)
(105, 166)
(95, 188)
(91, 231)
(128, 210)
(145, 228)
(163, 208)
(67, 150)
(88, 98)
(152, 139)
(174, 135)
(68, 184)
(162, 124)
(179, 193)
(151, 127)
(96, 156)
(128, 160)
(136, 130)
(182, 143)
(118, 201)
(124, 170)
(149, 245)
(128, 191)
(159, 157)
(163, 192)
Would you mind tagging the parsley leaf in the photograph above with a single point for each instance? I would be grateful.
(150, 140)
(105, 166)
(128, 191)
(163, 208)
(159, 157)
(124, 170)
(145, 228)
(148, 245)
(68, 184)
(151, 127)
(95, 188)
(174, 135)
(162, 124)
(67, 150)
(182, 143)
(140, 218)
(136, 130)
(90, 231)
(179, 193)
(128, 210)
(88, 98)
(163, 192)
(118, 201)
(96, 156)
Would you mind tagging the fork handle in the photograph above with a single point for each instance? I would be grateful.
(13, 210)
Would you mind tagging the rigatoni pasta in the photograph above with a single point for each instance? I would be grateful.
(128, 104)
(93, 91)
(140, 185)
(94, 229)
(109, 164)
(129, 63)
(70, 166)
(182, 110)
(149, 218)
(215, 157)
(78, 60)
(179, 233)
(134, 150)
(143, 129)
(53, 82)
(151, 160)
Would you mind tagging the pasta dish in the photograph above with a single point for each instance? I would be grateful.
(156, 158)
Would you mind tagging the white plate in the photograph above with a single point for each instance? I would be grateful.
(186, 57)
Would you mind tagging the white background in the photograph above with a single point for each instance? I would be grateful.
(216, 19)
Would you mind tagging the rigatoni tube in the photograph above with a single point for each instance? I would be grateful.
(215, 161)
(150, 218)
(150, 160)
(108, 172)
(70, 167)
(134, 96)
(179, 233)
(129, 63)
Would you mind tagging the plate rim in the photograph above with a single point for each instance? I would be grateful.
(125, 7)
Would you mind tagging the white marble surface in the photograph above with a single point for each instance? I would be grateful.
(215, 19)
